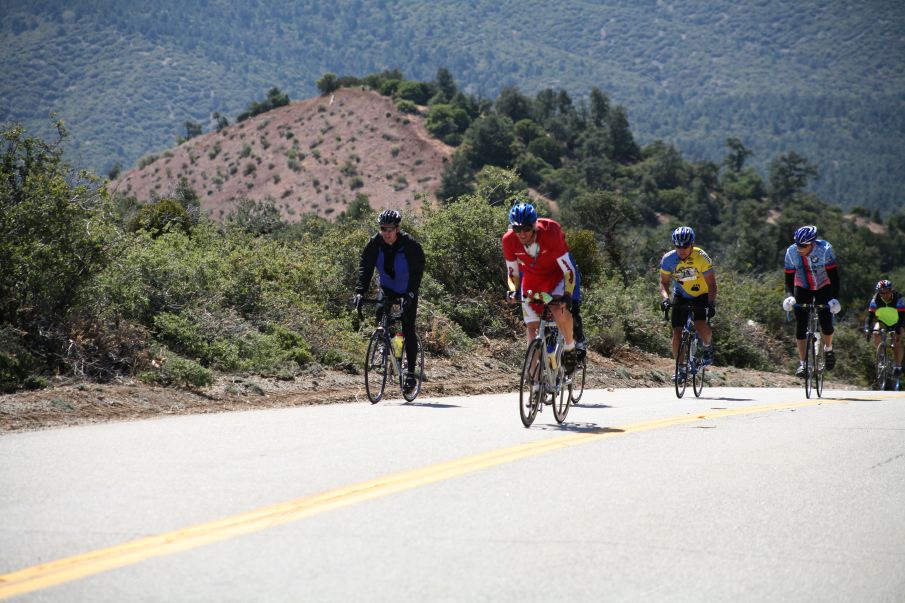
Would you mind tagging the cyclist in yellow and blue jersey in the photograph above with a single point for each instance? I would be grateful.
(691, 272)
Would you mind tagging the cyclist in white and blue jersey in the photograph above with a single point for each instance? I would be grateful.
(812, 275)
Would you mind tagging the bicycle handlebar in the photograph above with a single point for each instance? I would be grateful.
(387, 300)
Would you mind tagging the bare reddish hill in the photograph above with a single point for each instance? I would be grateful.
(310, 156)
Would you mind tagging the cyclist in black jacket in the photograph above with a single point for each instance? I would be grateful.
(399, 260)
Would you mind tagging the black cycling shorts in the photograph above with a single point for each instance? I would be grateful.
(699, 303)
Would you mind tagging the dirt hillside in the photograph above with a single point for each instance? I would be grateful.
(312, 156)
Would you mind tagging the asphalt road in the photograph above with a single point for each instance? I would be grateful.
(741, 495)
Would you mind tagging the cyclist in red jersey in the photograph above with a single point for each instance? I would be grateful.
(538, 262)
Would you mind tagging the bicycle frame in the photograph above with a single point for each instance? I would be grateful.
(543, 373)
(380, 360)
(689, 362)
(886, 355)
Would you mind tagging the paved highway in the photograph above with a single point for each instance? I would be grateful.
(742, 495)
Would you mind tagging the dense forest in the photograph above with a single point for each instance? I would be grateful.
(100, 286)
(823, 80)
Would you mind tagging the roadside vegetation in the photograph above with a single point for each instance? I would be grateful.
(102, 286)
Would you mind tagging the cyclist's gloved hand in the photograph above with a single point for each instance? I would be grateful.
(788, 303)
(664, 305)
(567, 301)
(835, 306)
(513, 296)
(711, 310)
(357, 300)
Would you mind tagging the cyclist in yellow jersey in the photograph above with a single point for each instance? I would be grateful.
(691, 271)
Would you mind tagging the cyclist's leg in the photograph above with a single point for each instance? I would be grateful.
(700, 318)
(900, 352)
(822, 296)
(577, 325)
(677, 319)
(531, 318)
(802, 296)
(409, 314)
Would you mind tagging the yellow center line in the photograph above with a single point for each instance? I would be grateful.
(79, 566)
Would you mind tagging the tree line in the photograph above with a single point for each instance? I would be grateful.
(100, 286)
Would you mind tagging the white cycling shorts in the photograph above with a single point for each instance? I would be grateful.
(528, 312)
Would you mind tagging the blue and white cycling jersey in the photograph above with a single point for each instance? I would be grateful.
(810, 270)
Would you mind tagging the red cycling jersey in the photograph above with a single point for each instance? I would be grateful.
(544, 266)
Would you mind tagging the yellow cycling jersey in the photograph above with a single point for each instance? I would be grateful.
(687, 274)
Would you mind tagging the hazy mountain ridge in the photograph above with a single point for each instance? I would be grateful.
(127, 77)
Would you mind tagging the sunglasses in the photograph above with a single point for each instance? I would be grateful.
(519, 228)
(388, 228)
(801, 245)
(684, 246)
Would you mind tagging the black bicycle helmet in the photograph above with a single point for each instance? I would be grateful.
(389, 217)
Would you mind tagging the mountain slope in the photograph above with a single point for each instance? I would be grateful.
(314, 155)
(823, 79)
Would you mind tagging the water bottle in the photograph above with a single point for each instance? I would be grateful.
(551, 354)
(397, 345)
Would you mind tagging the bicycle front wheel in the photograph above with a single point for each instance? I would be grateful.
(882, 368)
(697, 378)
(531, 391)
(377, 366)
(681, 375)
(561, 399)
(576, 386)
(809, 364)
(417, 370)
(819, 367)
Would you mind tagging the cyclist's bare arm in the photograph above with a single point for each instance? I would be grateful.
(710, 279)
(665, 280)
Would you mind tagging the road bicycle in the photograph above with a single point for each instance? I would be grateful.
(690, 357)
(386, 359)
(887, 319)
(544, 379)
(814, 354)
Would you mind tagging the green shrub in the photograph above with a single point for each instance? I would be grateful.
(34, 382)
(406, 106)
(176, 371)
(181, 335)
(614, 313)
(162, 216)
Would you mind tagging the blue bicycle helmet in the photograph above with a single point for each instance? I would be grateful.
(683, 236)
(884, 285)
(522, 214)
(389, 217)
(805, 235)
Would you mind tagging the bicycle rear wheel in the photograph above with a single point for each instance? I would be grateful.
(697, 378)
(681, 374)
(576, 386)
(531, 391)
(882, 368)
(809, 364)
(561, 400)
(376, 366)
(417, 371)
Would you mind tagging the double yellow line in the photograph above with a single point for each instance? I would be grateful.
(79, 566)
